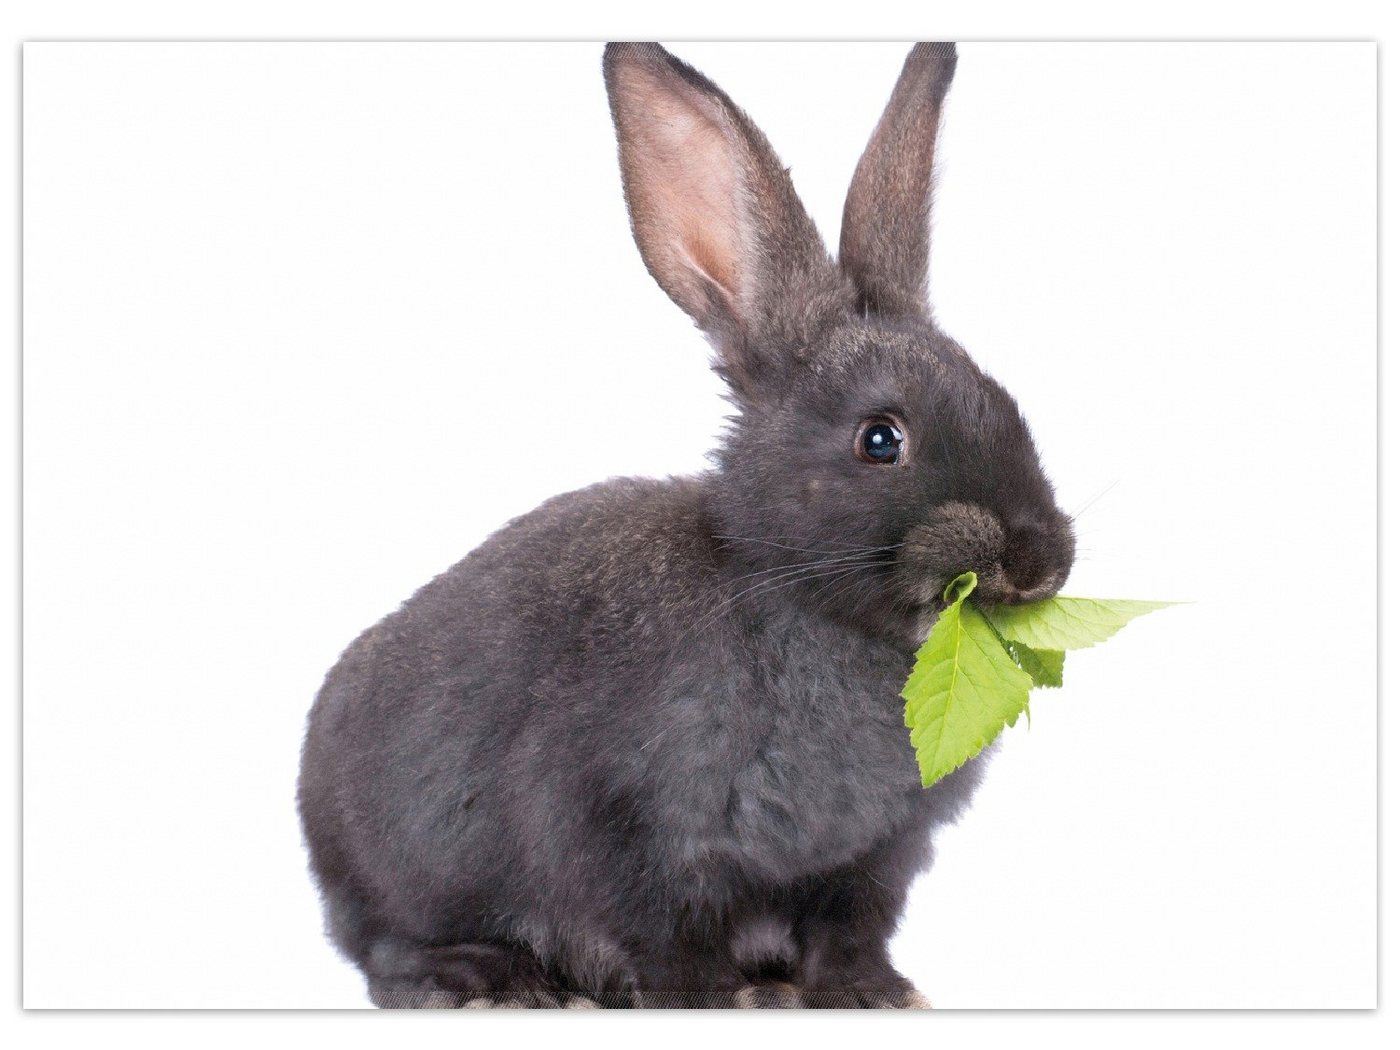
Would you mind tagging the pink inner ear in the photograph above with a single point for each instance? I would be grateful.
(681, 162)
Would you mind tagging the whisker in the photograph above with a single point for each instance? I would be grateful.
(800, 574)
(819, 563)
(773, 583)
(780, 572)
(1104, 492)
(854, 587)
(844, 580)
(809, 550)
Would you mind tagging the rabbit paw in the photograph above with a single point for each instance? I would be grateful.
(769, 995)
(465, 976)
(550, 1001)
(893, 994)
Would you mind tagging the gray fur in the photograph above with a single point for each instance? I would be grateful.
(645, 745)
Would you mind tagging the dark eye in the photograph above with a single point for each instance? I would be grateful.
(879, 440)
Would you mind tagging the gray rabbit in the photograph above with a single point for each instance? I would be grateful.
(645, 745)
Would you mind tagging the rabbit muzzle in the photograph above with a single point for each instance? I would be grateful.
(1021, 562)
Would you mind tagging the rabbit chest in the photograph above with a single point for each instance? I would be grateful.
(792, 760)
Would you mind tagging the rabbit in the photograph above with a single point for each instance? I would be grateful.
(644, 747)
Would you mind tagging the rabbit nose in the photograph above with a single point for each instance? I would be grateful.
(1033, 565)
(1028, 560)
(998, 590)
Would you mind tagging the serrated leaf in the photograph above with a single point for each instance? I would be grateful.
(973, 676)
(965, 688)
(1067, 623)
(959, 587)
(1045, 666)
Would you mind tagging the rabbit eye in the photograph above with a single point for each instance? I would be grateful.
(879, 440)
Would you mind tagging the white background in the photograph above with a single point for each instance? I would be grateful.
(279, 298)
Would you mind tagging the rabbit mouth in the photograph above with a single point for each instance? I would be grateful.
(998, 587)
(1026, 563)
(993, 589)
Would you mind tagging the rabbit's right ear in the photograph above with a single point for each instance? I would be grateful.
(885, 227)
(716, 217)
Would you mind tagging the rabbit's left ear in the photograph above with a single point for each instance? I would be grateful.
(716, 217)
(885, 227)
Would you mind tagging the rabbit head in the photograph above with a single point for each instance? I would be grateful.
(868, 445)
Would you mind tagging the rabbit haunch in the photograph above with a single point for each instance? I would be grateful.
(645, 745)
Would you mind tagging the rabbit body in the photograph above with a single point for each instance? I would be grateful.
(645, 746)
(560, 759)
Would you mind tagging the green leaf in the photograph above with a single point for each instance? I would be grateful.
(1045, 666)
(973, 676)
(959, 587)
(1067, 623)
(964, 688)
